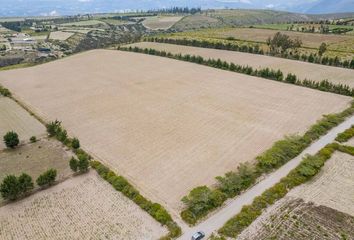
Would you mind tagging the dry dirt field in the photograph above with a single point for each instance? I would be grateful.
(166, 125)
(320, 209)
(293, 219)
(160, 22)
(59, 35)
(333, 187)
(303, 70)
(36, 158)
(14, 118)
(84, 207)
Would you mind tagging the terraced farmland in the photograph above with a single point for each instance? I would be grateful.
(303, 70)
(166, 125)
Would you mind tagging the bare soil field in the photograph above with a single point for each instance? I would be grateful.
(320, 209)
(293, 219)
(59, 35)
(36, 158)
(333, 187)
(161, 22)
(166, 125)
(84, 207)
(303, 70)
(14, 118)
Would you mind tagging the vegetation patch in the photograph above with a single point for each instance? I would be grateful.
(346, 135)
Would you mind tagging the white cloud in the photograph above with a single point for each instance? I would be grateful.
(270, 6)
(84, 0)
(235, 1)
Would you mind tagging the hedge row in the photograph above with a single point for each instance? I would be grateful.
(305, 171)
(346, 135)
(267, 73)
(5, 92)
(157, 211)
(256, 50)
(202, 200)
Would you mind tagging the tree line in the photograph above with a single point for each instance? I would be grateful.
(279, 45)
(266, 73)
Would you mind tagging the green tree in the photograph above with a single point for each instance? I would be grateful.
(83, 163)
(11, 139)
(9, 188)
(25, 183)
(47, 178)
(53, 128)
(75, 143)
(322, 49)
(74, 164)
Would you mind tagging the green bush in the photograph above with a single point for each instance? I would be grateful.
(25, 183)
(74, 163)
(75, 143)
(5, 92)
(11, 139)
(83, 163)
(13, 187)
(158, 212)
(346, 135)
(33, 139)
(47, 178)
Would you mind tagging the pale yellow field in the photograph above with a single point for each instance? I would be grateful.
(59, 35)
(303, 70)
(15, 118)
(84, 207)
(161, 22)
(167, 125)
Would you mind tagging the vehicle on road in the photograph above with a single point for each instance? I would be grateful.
(198, 236)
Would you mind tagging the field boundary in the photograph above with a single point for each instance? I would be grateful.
(310, 166)
(265, 73)
(327, 61)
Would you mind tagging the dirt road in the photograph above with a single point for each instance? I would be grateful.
(216, 221)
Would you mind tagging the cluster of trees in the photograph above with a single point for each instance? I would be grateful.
(55, 129)
(5, 92)
(267, 73)
(280, 46)
(81, 164)
(305, 171)
(281, 43)
(175, 10)
(346, 135)
(202, 200)
(13, 187)
(157, 211)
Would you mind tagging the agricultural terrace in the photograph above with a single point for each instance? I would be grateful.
(84, 207)
(36, 158)
(15, 118)
(59, 35)
(161, 22)
(167, 125)
(320, 209)
(337, 45)
(302, 70)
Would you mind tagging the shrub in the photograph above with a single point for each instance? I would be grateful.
(9, 188)
(75, 143)
(346, 135)
(83, 163)
(47, 178)
(53, 128)
(25, 183)
(33, 139)
(11, 139)
(5, 92)
(74, 163)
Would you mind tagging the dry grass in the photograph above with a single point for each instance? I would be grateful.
(15, 118)
(161, 22)
(36, 158)
(167, 125)
(59, 35)
(303, 70)
(333, 187)
(83, 207)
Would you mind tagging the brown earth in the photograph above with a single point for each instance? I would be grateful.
(166, 125)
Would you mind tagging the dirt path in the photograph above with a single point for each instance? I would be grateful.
(232, 207)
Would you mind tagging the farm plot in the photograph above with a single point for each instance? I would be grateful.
(320, 209)
(15, 118)
(167, 125)
(83, 207)
(36, 158)
(161, 22)
(59, 35)
(303, 70)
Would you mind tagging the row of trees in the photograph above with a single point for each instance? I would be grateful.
(13, 187)
(266, 73)
(175, 10)
(279, 45)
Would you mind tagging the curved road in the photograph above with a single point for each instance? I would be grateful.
(232, 207)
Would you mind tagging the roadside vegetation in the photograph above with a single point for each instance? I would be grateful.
(266, 73)
(346, 135)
